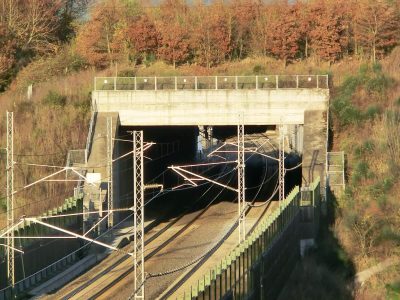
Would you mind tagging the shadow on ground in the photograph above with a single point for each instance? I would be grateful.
(326, 271)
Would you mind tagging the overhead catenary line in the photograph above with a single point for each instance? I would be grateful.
(35, 220)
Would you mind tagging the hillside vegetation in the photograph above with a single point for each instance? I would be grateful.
(352, 41)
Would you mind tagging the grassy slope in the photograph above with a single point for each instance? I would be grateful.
(363, 224)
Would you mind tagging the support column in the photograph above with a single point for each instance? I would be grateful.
(281, 164)
(10, 199)
(138, 217)
(241, 181)
(110, 170)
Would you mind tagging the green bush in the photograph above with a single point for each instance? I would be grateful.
(378, 84)
(380, 189)
(372, 111)
(54, 99)
(258, 70)
(377, 68)
(382, 201)
(149, 59)
(361, 171)
(366, 148)
(83, 106)
(127, 73)
(3, 204)
(393, 291)
(369, 146)
(346, 112)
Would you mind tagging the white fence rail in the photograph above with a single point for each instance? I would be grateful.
(211, 82)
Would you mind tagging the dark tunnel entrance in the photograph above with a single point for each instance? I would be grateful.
(179, 145)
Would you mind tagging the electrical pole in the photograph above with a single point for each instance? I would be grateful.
(10, 198)
(281, 165)
(138, 217)
(241, 181)
(110, 171)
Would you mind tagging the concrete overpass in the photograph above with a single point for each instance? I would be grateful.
(215, 100)
(300, 102)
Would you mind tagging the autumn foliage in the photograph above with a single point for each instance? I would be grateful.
(131, 32)
(211, 34)
(34, 28)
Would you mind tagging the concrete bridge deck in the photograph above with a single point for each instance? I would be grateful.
(164, 101)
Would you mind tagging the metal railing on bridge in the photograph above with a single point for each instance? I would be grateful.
(211, 82)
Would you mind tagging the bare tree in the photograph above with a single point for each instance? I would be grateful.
(378, 26)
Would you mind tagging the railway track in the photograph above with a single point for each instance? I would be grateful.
(122, 262)
(118, 282)
(195, 267)
(125, 260)
(124, 267)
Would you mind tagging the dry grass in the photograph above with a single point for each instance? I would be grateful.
(46, 131)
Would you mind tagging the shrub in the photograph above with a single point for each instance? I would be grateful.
(54, 99)
(367, 147)
(381, 188)
(377, 68)
(258, 69)
(372, 111)
(3, 204)
(346, 112)
(393, 291)
(127, 73)
(382, 201)
(361, 171)
(378, 84)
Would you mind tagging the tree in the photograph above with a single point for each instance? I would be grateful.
(7, 55)
(378, 26)
(174, 32)
(37, 25)
(70, 11)
(284, 35)
(244, 14)
(210, 35)
(95, 38)
(328, 33)
(142, 37)
(260, 31)
(304, 26)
